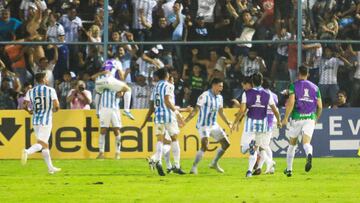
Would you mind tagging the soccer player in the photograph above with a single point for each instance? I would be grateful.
(167, 119)
(209, 104)
(256, 101)
(108, 107)
(304, 107)
(271, 127)
(44, 102)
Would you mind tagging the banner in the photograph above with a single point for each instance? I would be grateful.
(75, 136)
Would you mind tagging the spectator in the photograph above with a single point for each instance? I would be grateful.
(195, 81)
(79, 97)
(64, 89)
(251, 64)
(179, 90)
(355, 93)
(281, 55)
(20, 100)
(48, 67)
(341, 100)
(141, 93)
(7, 95)
(8, 26)
(54, 29)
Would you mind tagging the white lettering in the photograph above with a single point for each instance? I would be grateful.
(354, 130)
(333, 125)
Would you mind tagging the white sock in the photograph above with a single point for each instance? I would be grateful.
(290, 156)
(308, 149)
(219, 154)
(166, 153)
(34, 148)
(118, 144)
(198, 157)
(262, 159)
(269, 152)
(101, 143)
(252, 161)
(266, 159)
(127, 101)
(176, 153)
(47, 158)
(158, 153)
(97, 102)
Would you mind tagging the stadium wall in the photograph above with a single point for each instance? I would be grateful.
(75, 136)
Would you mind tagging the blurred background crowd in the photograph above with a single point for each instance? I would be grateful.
(334, 67)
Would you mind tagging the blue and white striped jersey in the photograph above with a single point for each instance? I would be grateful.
(108, 99)
(41, 98)
(163, 114)
(209, 106)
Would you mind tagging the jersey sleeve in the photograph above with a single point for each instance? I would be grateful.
(292, 89)
(53, 95)
(271, 100)
(201, 100)
(221, 100)
(243, 98)
(169, 90)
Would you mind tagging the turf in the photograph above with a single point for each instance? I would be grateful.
(130, 180)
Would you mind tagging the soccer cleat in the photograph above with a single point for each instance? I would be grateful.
(178, 171)
(271, 170)
(159, 169)
(248, 174)
(117, 155)
(308, 164)
(252, 147)
(257, 172)
(100, 156)
(24, 157)
(194, 170)
(288, 173)
(151, 163)
(129, 115)
(216, 167)
(54, 170)
(169, 170)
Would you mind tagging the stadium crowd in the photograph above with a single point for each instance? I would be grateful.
(334, 67)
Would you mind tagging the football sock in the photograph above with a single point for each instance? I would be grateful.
(252, 161)
(46, 154)
(127, 101)
(290, 156)
(118, 144)
(219, 154)
(308, 149)
(176, 153)
(101, 143)
(34, 148)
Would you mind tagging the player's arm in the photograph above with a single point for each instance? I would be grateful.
(187, 109)
(223, 117)
(93, 77)
(277, 114)
(173, 108)
(56, 105)
(150, 111)
(289, 108)
(319, 106)
(26, 103)
(239, 116)
(192, 114)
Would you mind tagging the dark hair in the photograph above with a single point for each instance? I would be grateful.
(161, 73)
(39, 77)
(247, 79)
(216, 81)
(342, 92)
(257, 79)
(266, 83)
(303, 71)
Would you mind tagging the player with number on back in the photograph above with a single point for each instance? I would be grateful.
(44, 101)
(167, 119)
(305, 107)
(256, 101)
(210, 103)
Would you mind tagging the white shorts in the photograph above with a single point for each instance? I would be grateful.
(214, 131)
(301, 127)
(262, 139)
(169, 129)
(110, 83)
(107, 116)
(42, 132)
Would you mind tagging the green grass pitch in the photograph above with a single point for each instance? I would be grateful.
(130, 180)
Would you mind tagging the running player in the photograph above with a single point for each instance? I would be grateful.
(44, 102)
(304, 107)
(256, 101)
(162, 102)
(108, 106)
(209, 104)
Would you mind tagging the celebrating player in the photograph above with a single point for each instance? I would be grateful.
(256, 101)
(162, 102)
(305, 107)
(108, 106)
(210, 103)
(44, 101)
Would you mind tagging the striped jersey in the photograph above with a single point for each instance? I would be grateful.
(328, 69)
(250, 67)
(41, 98)
(147, 6)
(209, 106)
(163, 114)
(140, 96)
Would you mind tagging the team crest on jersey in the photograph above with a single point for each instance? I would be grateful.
(258, 99)
(306, 92)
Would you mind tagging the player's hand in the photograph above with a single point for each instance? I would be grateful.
(284, 123)
(189, 109)
(279, 124)
(180, 119)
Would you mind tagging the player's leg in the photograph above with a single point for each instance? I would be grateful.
(265, 155)
(173, 130)
(204, 135)
(116, 124)
(127, 101)
(160, 135)
(219, 135)
(166, 153)
(308, 129)
(34, 148)
(294, 131)
(105, 115)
